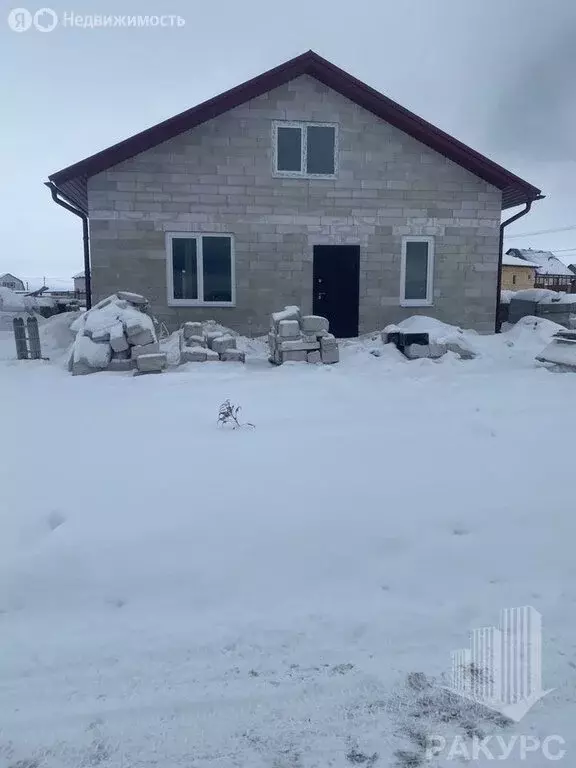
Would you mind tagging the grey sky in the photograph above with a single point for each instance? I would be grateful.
(498, 75)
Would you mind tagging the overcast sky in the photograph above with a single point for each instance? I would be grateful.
(498, 75)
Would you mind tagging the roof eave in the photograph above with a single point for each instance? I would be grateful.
(515, 190)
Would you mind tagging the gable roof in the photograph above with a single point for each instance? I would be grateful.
(10, 275)
(513, 261)
(71, 181)
(545, 261)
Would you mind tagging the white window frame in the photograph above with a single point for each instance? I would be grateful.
(429, 300)
(303, 126)
(199, 302)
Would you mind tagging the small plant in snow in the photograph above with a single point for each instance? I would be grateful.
(228, 414)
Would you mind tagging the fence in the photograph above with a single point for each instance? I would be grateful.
(565, 283)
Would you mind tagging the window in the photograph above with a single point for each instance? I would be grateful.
(305, 149)
(200, 270)
(513, 279)
(416, 271)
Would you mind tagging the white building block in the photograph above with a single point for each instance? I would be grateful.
(233, 355)
(313, 323)
(330, 355)
(298, 345)
(223, 343)
(151, 363)
(211, 356)
(133, 298)
(297, 356)
(288, 313)
(192, 329)
(193, 355)
(289, 329)
(195, 341)
(145, 349)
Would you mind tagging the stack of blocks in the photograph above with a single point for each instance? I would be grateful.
(301, 338)
(201, 345)
(117, 334)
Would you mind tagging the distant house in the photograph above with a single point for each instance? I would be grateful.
(550, 271)
(517, 274)
(572, 268)
(9, 281)
(79, 283)
(301, 186)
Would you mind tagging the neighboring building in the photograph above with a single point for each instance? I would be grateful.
(9, 281)
(79, 283)
(517, 274)
(572, 268)
(550, 271)
(301, 186)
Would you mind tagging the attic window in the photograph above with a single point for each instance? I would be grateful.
(305, 149)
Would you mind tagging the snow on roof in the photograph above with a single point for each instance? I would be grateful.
(547, 263)
(514, 261)
(78, 276)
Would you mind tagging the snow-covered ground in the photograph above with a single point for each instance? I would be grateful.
(176, 594)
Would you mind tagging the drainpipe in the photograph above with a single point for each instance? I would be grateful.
(86, 238)
(500, 250)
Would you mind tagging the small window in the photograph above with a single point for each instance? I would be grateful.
(200, 270)
(513, 279)
(416, 272)
(305, 149)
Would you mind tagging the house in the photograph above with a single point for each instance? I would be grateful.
(79, 283)
(551, 273)
(517, 273)
(9, 281)
(301, 186)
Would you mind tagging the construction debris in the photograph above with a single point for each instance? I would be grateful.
(297, 338)
(115, 335)
(561, 351)
(203, 343)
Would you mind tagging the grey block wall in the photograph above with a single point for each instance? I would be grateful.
(218, 178)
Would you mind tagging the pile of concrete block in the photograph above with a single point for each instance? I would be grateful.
(301, 338)
(201, 343)
(561, 351)
(422, 344)
(117, 334)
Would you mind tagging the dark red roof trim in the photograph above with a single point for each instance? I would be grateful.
(515, 190)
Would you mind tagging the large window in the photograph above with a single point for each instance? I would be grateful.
(200, 269)
(417, 271)
(305, 149)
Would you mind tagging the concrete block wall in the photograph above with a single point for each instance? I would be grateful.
(218, 178)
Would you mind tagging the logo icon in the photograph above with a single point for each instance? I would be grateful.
(503, 667)
(19, 20)
(45, 20)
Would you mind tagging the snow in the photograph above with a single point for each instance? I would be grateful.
(544, 296)
(177, 594)
(438, 332)
(514, 261)
(547, 263)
